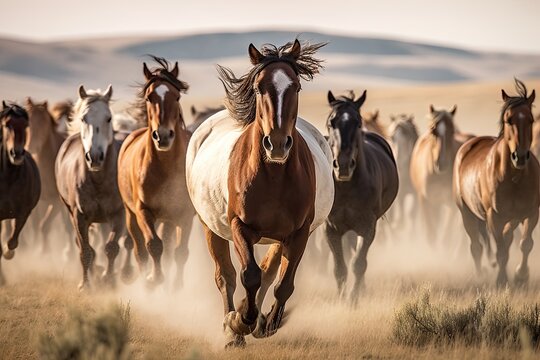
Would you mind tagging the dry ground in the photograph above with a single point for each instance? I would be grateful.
(42, 291)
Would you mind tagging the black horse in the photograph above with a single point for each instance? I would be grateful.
(366, 184)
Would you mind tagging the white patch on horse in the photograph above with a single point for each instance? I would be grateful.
(441, 128)
(281, 83)
(345, 117)
(521, 115)
(161, 90)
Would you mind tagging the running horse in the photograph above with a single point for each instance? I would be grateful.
(151, 174)
(43, 144)
(258, 173)
(432, 161)
(19, 176)
(85, 172)
(366, 183)
(496, 185)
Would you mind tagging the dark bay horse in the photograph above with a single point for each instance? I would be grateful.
(366, 183)
(20, 185)
(257, 173)
(152, 177)
(198, 116)
(43, 144)
(432, 161)
(86, 179)
(496, 185)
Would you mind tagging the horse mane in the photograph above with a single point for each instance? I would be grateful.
(14, 110)
(240, 97)
(513, 101)
(74, 122)
(161, 72)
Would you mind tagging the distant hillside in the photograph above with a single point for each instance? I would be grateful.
(54, 70)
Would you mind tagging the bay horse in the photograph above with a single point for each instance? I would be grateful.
(86, 171)
(198, 116)
(19, 176)
(43, 144)
(366, 184)
(403, 135)
(152, 177)
(496, 185)
(258, 173)
(432, 161)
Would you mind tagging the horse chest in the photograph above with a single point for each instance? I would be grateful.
(514, 200)
(99, 201)
(20, 191)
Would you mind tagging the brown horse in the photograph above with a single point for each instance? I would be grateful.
(432, 161)
(366, 184)
(43, 144)
(19, 176)
(85, 172)
(496, 185)
(258, 173)
(151, 174)
(371, 123)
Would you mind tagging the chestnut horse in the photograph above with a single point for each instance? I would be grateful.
(432, 161)
(496, 185)
(43, 144)
(260, 174)
(19, 176)
(403, 135)
(151, 174)
(366, 183)
(86, 179)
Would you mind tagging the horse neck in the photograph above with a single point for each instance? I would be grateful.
(504, 168)
(361, 152)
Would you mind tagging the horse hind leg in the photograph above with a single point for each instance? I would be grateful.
(225, 277)
(44, 227)
(473, 229)
(269, 266)
(181, 251)
(526, 245)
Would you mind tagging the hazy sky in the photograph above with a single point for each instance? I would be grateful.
(509, 25)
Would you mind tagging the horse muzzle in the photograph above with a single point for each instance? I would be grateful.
(277, 149)
(16, 156)
(163, 139)
(95, 160)
(344, 172)
(519, 161)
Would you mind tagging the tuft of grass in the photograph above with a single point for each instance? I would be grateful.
(488, 320)
(104, 335)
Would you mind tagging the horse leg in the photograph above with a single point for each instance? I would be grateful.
(360, 260)
(154, 245)
(503, 234)
(225, 277)
(44, 227)
(86, 252)
(269, 267)
(181, 252)
(333, 236)
(128, 275)
(292, 251)
(69, 249)
(167, 231)
(472, 227)
(14, 238)
(141, 254)
(112, 248)
(526, 245)
(2, 278)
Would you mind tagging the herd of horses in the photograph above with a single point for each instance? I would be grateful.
(256, 173)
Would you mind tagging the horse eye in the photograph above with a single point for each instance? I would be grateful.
(109, 119)
(147, 99)
(256, 90)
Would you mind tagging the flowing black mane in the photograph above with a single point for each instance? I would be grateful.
(14, 110)
(240, 96)
(162, 72)
(513, 101)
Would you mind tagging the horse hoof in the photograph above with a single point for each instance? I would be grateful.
(108, 280)
(8, 255)
(233, 320)
(153, 281)
(522, 276)
(260, 329)
(128, 275)
(84, 287)
(237, 342)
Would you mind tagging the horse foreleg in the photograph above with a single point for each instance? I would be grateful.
(503, 234)
(154, 245)
(167, 233)
(333, 237)
(472, 228)
(181, 251)
(2, 279)
(137, 238)
(360, 260)
(87, 253)
(112, 248)
(269, 267)
(14, 238)
(526, 245)
(128, 275)
(292, 251)
(225, 277)
(46, 218)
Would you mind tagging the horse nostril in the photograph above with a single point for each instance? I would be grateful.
(514, 156)
(101, 156)
(288, 143)
(528, 155)
(335, 164)
(88, 157)
(12, 152)
(171, 133)
(155, 135)
(267, 143)
(353, 162)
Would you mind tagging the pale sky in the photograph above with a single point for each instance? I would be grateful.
(506, 25)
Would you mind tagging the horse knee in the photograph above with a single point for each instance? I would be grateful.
(112, 249)
(155, 247)
(251, 277)
(283, 292)
(476, 249)
(128, 243)
(526, 245)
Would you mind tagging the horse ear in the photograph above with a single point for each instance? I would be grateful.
(431, 108)
(108, 93)
(361, 100)
(193, 110)
(296, 49)
(375, 116)
(147, 73)
(504, 95)
(530, 99)
(46, 104)
(410, 118)
(392, 118)
(29, 101)
(255, 55)
(82, 92)
(174, 71)
(4, 105)
(453, 110)
(331, 97)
